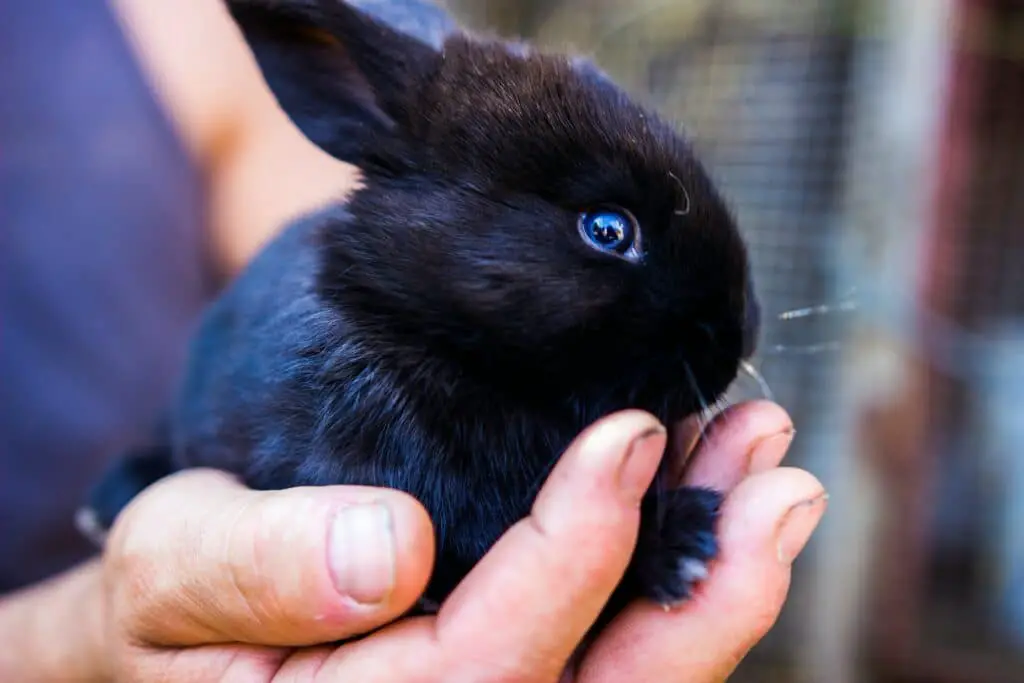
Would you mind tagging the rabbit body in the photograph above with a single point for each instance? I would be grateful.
(531, 250)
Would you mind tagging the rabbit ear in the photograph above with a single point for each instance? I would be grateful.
(325, 60)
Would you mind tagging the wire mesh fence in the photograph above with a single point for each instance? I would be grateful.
(880, 182)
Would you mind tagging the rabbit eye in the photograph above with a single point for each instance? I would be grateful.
(611, 230)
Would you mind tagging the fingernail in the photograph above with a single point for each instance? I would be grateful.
(638, 466)
(769, 451)
(797, 526)
(361, 553)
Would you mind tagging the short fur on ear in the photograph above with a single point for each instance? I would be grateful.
(336, 70)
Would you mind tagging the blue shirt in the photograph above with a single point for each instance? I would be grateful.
(102, 275)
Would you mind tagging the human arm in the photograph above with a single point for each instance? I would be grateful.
(260, 171)
(53, 631)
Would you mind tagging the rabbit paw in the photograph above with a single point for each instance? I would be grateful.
(677, 542)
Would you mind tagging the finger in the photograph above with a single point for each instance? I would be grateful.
(766, 521)
(524, 608)
(745, 439)
(534, 596)
(199, 559)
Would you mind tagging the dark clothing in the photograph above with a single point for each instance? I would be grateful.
(102, 275)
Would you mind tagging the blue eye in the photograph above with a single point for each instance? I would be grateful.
(612, 230)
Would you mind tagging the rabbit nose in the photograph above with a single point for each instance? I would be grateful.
(751, 324)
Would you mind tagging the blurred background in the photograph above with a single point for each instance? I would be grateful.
(874, 153)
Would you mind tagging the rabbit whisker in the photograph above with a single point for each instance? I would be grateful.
(720, 406)
(704, 417)
(748, 368)
(847, 304)
(685, 208)
(809, 350)
(824, 309)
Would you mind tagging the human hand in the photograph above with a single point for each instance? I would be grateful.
(237, 585)
(768, 516)
(206, 580)
(523, 611)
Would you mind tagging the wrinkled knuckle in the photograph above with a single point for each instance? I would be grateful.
(125, 558)
(139, 571)
(254, 537)
(141, 600)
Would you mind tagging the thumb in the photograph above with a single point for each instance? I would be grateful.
(199, 559)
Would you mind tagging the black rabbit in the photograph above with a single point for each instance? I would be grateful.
(532, 250)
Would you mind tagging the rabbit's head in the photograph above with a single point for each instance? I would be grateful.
(522, 217)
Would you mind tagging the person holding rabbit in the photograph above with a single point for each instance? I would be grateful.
(204, 579)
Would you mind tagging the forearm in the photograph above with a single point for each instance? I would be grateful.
(54, 631)
(260, 171)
